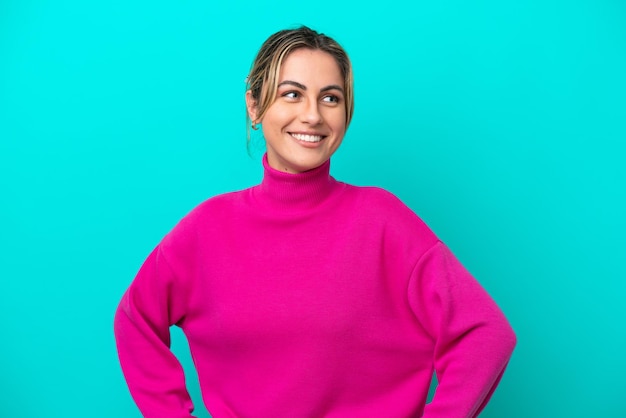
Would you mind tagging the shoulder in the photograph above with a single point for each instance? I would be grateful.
(203, 217)
(382, 202)
(217, 204)
(221, 206)
(381, 198)
(382, 207)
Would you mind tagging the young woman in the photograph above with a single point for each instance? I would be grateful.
(304, 296)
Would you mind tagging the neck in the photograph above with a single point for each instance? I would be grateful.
(300, 191)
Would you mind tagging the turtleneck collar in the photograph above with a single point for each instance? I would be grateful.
(299, 191)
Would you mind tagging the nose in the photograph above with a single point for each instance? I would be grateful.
(311, 113)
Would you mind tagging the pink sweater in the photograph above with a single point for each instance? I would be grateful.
(308, 297)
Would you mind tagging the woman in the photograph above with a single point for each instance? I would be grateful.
(305, 296)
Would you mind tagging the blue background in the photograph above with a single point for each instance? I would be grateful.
(502, 124)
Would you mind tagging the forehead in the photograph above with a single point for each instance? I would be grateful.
(312, 65)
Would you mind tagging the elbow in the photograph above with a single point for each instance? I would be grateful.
(500, 338)
(512, 339)
(507, 339)
(120, 318)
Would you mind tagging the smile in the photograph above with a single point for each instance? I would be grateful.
(307, 138)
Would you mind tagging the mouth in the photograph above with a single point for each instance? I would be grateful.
(307, 137)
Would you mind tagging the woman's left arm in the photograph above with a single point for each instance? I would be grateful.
(473, 339)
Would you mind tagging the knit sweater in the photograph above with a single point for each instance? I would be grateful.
(305, 297)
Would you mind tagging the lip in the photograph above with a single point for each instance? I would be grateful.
(307, 144)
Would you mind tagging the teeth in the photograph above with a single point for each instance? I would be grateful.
(308, 138)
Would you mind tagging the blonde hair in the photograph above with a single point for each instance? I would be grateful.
(262, 80)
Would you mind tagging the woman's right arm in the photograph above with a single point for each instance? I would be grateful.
(153, 302)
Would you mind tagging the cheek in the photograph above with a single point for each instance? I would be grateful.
(337, 121)
(275, 119)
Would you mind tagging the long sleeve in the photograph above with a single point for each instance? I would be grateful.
(153, 303)
(473, 339)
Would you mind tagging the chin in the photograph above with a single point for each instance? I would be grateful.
(300, 165)
(308, 165)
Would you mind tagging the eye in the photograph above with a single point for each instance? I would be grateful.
(291, 94)
(331, 98)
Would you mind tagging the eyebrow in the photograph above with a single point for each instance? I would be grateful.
(303, 87)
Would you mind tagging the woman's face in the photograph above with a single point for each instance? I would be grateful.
(306, 123)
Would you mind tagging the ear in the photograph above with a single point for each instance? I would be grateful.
(251, 105)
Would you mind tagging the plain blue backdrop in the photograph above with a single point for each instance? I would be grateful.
(502, 124)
